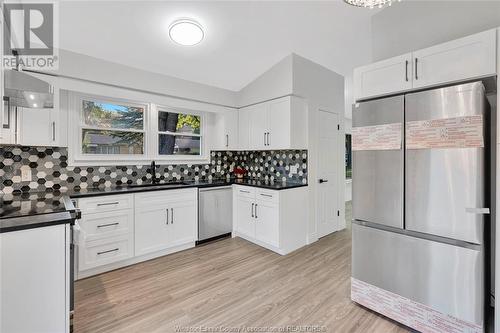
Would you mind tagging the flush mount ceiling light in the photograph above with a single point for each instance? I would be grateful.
(186, 32)
(370, 3)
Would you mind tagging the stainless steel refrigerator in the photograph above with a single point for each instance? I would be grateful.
(420, 200)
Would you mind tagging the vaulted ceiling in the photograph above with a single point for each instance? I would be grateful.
(243, 38)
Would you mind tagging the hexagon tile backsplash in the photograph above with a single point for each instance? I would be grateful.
(50, 170)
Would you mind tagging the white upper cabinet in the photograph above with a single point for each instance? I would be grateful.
(259, 125)
(465, 58)
(243, 129)
(462, 59)
(383, 77)
(277, 124)
(227, 130)
(38, 127)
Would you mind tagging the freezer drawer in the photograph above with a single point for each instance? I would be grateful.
(377, 180)
(447, 278)
(445, 180)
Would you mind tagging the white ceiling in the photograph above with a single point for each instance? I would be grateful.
(243, 39)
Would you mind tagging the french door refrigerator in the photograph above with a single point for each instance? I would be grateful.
(419, 204)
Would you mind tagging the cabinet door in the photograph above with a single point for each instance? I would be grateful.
(183, 222)
(279, 124)
(243, 128)
(465, 58)
(231, 129)
(267, 223)
(259, 119)
(152, 229)
(383, 77)
(37, 127)
(245, 218)
(33, 280)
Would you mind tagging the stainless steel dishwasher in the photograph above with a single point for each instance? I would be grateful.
(215, 213)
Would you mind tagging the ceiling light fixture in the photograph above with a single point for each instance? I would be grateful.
(186, 32)
(370, 3)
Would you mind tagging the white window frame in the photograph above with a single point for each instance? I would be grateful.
(150, 130)
(203, 157)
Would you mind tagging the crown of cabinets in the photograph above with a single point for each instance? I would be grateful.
(276, 220)
(462, 59)
(276, 124)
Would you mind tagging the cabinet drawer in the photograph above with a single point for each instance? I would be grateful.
(104, 252)
(267, 196)
(150, 199)
(107, 224)
(245, 191)
(105, 203)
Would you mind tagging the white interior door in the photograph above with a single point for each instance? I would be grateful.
(328, 173)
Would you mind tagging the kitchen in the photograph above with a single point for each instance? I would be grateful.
(157, 196)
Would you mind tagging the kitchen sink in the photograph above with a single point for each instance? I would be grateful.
(159, 184)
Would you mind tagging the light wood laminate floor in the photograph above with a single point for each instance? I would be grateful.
(230, 283)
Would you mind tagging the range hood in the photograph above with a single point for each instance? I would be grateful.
(25, 90)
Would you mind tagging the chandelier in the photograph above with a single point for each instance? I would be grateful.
(370, 3)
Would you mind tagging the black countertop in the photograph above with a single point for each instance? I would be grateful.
(35, 209)
(39, 209)
(92, 192)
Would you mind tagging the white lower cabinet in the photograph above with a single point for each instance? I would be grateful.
(34, 280)
(245, 220)
(276, 220)
(119, 230)
(267, 226)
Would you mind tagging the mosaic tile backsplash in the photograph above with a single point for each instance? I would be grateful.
(50, 170)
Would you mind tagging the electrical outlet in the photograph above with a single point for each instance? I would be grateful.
(25, 174)
(218, 168)
(293, 169)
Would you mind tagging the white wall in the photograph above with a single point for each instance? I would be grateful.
(84, 67)
(412, 25)
(275, 82)
(323, 89)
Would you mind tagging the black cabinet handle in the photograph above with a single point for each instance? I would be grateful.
(416, 68)
(406, 71)
(172, 217)
(321, 181)
(167, 216)
(255, 210)
(108, 203)
(108, 251)
(252, 209)
(107, 225)
(227, 140)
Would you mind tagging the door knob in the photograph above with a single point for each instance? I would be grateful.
(321, 181)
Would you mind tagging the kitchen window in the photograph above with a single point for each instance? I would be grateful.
(179, 133)
(110, 128)
(113, 131)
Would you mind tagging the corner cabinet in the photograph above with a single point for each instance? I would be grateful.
(276, 220)
(276, 124)
(468, 58)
